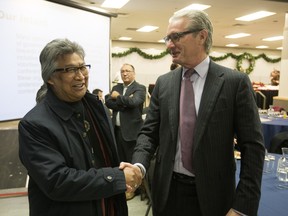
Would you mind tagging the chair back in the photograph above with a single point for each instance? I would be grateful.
(279, 141)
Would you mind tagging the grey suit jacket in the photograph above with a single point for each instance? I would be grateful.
(227, 108)
(130, 106)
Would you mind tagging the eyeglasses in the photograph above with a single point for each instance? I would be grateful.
(84, 69)
(126, 71)
(175, 37)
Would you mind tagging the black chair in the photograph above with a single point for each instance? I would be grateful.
(260, 99)
(278, 142)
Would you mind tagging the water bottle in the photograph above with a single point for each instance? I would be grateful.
(282, 169)
(270, 111)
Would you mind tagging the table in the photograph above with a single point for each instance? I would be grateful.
(272, 126)
(273, 200)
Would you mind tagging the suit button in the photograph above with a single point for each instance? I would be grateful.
(109, 178)
(84, 134)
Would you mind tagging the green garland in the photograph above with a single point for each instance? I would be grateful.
(239, 58)
(141, 53)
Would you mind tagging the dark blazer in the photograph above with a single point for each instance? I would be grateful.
(227, 107)
(131, 106)
(63, 179)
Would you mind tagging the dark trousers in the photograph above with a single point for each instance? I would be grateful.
(125, 148)
(182, 199)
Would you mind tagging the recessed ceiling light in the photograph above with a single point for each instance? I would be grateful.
(261, 47)
(114, 4)
(275, 38)
(125, 38)
(255, 16)
(147, 28)
(239, 35)
(195, 7)
(279, 48)
(232, 45)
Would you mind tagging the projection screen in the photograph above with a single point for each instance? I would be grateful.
(26, 27)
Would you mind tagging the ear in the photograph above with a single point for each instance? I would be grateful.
(203, 35)
(50, 81)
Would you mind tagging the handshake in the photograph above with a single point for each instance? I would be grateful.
(133, 176)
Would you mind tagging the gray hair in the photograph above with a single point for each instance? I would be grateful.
(48, 60)
(197, 20)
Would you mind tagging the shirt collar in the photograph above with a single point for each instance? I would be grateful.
(202, 68)
(126, 86)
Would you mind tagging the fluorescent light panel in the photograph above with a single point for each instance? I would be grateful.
(147, 28)
(239, 35)
(279, 48)
(275, 38)
(114, 3)
(261, 47)
(255, 16)
(195, 7)
(125, 38)
(232, 45)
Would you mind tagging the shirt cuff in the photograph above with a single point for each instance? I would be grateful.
(239, 212)
(142, 168)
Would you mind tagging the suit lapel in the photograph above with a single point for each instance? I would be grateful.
(212, 87)
(130, 89)
(173, 103)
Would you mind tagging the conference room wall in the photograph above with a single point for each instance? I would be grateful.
(147, 70)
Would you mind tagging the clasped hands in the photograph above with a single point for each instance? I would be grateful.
(133, 176)
(114, 94)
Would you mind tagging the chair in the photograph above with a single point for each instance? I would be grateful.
(261, 99)
(279, 141)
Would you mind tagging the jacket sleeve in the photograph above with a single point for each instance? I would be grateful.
(134, 99)
(250, 141)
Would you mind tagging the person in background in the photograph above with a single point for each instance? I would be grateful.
(66, 143)
(99, 93)
(274, 77)
(199, 179)
(126, 102)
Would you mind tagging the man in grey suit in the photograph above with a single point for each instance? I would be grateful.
(225, 107)
(126, 101)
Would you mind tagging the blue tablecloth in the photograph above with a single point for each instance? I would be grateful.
(274, 201)
(272, 126)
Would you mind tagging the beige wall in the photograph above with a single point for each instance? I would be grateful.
(147, 70)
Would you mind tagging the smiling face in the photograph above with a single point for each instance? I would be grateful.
(189, 50)
(69, 86)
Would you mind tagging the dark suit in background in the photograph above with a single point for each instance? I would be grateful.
(129, 106)
(227, 107)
